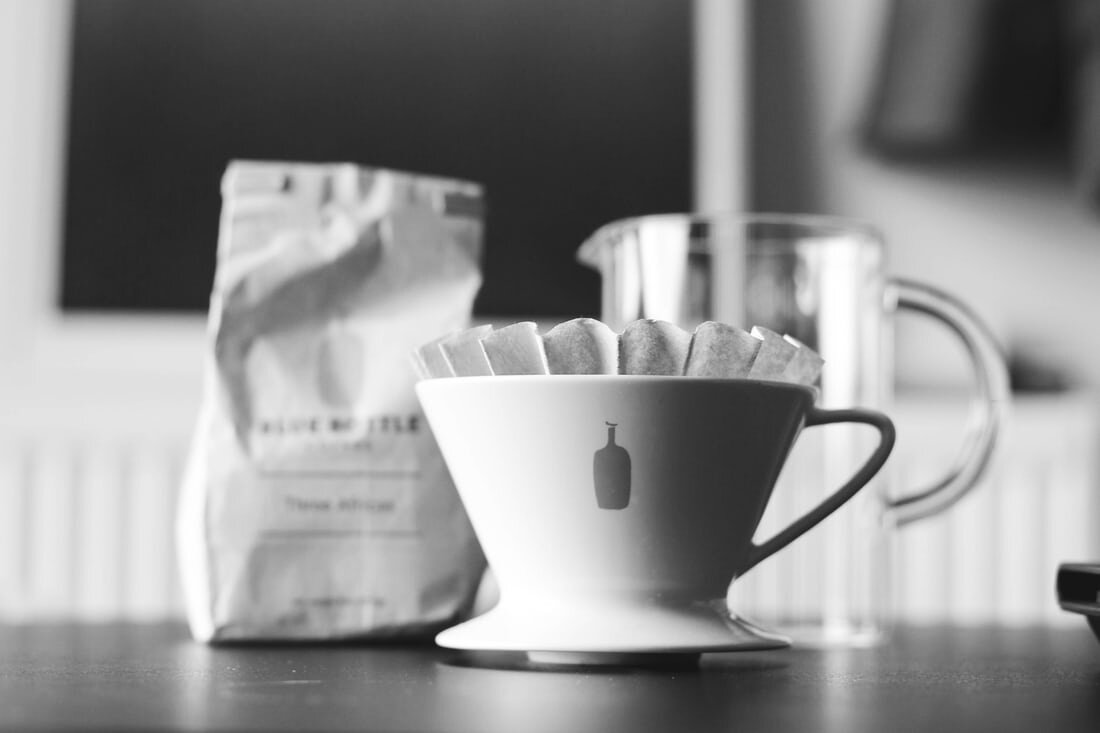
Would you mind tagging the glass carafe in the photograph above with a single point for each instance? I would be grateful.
(823, 281)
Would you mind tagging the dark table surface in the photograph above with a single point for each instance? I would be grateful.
(142, 677)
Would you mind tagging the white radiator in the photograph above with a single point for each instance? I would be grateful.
(90, 460)
(995, 555)
(86, 529)
(86, 519)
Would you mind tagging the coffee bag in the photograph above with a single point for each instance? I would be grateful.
(315, 501)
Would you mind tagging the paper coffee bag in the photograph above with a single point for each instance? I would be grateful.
(315, 502)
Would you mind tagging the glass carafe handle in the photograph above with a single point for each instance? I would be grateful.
(989, 407)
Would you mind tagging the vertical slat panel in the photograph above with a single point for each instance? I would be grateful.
(974, 566)
(843, 449)
(1071, 523)
(149, 554)
(806, 559)
(774, 585)
(797, 568)
(101, 535)
(924, 562)
(1020, 550)
(767, 589)
(13, 527)
(765, 592)
(50, 527)
(175, 589)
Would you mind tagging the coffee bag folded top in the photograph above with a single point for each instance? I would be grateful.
(315, 502)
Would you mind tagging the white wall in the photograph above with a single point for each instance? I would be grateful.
(1019, 250)
(105, 365)
(95, 412)
(1014, 243)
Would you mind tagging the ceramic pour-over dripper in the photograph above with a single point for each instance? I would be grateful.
(645, 347)
(658, 483)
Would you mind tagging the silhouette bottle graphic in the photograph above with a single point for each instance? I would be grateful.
(611, 473)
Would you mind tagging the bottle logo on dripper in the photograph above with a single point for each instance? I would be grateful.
(611, 473)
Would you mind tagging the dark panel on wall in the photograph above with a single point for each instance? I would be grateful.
(571, 113)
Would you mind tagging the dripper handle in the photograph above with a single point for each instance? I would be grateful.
(990, 404)
(866, 472)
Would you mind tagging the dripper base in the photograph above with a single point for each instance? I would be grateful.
(643, 635)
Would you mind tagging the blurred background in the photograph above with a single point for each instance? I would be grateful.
(968, 131)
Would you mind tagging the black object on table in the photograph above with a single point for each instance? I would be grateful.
(1079, 591)
(153, 677)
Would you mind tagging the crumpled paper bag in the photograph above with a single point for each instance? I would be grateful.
(315, 502)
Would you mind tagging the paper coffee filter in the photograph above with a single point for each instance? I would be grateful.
(646, 346)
